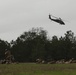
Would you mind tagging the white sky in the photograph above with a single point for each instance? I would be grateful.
(18, 16)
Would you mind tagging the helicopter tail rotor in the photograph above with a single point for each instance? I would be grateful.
(49, 16)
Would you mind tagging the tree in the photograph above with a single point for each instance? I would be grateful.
(34, 44)
(3, 45)
(30, 45)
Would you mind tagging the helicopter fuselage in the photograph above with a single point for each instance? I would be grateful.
(58, 20)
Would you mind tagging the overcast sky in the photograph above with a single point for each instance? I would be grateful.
(18, 16)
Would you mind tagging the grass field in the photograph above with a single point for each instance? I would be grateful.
(37, 69)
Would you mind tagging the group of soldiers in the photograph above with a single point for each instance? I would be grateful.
(9, 58)
(62, 61)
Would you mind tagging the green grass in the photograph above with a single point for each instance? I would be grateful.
(37, 69)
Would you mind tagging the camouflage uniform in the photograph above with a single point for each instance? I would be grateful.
(8, 56)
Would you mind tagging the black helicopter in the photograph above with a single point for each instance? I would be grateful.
(58, 20)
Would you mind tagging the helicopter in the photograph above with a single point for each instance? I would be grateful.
(58, 20)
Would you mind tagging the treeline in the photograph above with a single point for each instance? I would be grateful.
(35, 44)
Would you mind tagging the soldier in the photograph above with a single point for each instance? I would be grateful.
(8, 56)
